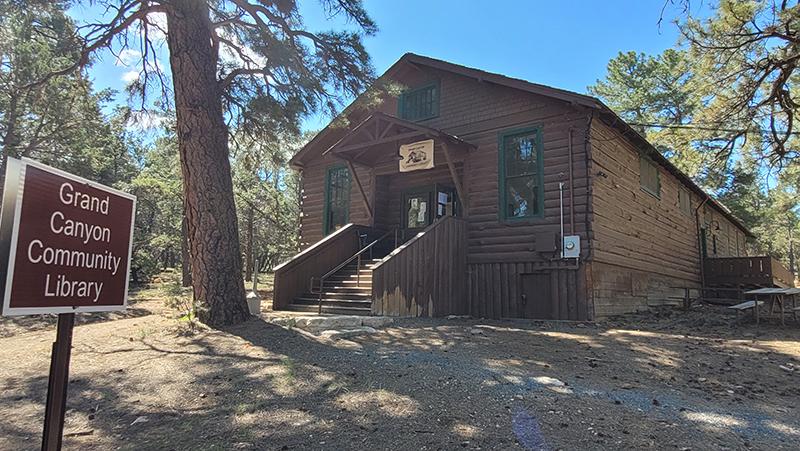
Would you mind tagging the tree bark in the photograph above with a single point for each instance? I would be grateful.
(248, 252)
(186, 263)
(792, 261)
(203, 145)
(10, 140)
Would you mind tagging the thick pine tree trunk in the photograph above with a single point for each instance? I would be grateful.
(186, 263)
(203, 144)
(248, 257)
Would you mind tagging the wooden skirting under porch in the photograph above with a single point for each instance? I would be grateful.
(426, 275)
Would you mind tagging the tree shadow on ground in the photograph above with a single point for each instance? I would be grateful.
(432, 384)
(13, 325)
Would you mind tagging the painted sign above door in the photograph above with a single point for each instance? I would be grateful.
(416, 156)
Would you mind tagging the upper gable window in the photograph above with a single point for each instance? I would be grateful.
(649, 177)
(419, 103)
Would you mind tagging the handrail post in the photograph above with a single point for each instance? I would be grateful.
(358, 270)
(395, 237)
(319, 305)
(687, 302)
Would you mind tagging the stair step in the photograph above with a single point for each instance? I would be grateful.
(364, 274)
(357, 296)
(331, 288)
(332, 310)
(347, 282)
(359, 303)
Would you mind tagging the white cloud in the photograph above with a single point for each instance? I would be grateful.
(130, 76)
(128, 58)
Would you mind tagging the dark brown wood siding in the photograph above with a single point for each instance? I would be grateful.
(636, 249)
(478, 112)
(496, 291)
(644, 248)
(312, 199)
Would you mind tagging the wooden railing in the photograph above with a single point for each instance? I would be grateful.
(358, 257)
(760, 270)
(292, 277)
(426, 276)
(782, 273)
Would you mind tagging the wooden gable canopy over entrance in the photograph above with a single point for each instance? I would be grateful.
(360, 145)
(377, 139)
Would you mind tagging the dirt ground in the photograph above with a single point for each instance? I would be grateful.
(666, 380)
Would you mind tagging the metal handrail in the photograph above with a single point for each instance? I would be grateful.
(357, 255)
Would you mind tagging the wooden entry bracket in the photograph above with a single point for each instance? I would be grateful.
(456, 178)
(364, 198)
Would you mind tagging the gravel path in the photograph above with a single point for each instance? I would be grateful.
(665, 380)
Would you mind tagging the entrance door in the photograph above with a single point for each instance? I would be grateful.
(416, 211)
(421, 206)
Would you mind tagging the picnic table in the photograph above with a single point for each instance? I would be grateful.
(778, 296)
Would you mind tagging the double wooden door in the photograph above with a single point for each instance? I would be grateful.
(423, 205)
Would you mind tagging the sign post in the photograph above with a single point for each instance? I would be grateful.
(65, 248)
(56, 405)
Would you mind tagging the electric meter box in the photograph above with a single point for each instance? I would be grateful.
(572, 246)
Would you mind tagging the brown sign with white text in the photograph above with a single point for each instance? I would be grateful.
(70, 243)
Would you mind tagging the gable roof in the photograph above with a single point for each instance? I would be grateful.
(606, 114)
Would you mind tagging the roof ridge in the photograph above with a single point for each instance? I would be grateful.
(548, 91)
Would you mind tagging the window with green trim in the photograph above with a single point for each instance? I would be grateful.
(419, 103)
(520, 171)
(649, 177)
(337, 199)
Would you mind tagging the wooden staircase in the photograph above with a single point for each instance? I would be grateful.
(348, 291)
(344, 293)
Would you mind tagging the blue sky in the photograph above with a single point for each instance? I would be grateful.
(562, 44)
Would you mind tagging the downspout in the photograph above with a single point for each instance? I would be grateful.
(700, 245)
(571, 189)
(561, 215)
(588, 216)
(589, 211)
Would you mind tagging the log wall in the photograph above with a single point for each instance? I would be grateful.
(644, 248)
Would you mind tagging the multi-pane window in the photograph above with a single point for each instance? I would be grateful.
(649, 178)
(420, 103)
(684, 201)
(337, 198)
(445, 203)
(520, 184)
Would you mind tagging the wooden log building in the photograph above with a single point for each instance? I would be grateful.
(468, 192)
